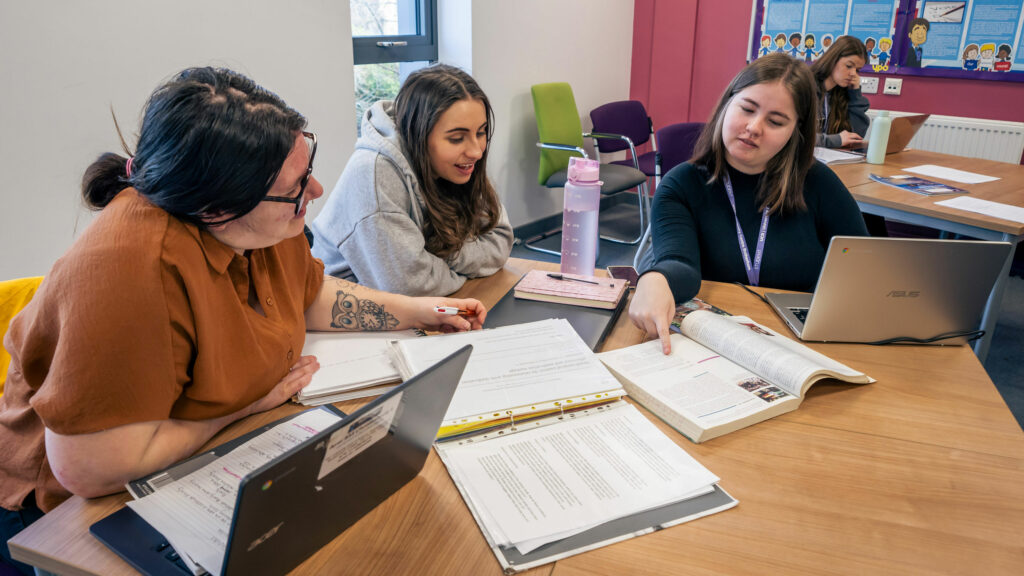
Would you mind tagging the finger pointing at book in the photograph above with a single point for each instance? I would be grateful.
(653, 308)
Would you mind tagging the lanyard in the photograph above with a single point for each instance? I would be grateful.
(753, 270)
(824, 118)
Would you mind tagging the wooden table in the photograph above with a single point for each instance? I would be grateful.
(896, 204)
(921, 472)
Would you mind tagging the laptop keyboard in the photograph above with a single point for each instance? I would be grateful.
(173, 557)
(800, 313)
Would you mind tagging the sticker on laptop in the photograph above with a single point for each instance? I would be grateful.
(349, 442)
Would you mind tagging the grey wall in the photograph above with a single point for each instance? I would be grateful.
(64, 63)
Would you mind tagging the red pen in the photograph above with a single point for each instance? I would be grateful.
(451, 311)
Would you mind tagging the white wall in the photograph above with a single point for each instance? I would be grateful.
(587, 43)
(64, 63)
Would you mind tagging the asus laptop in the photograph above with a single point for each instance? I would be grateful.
(273, 530)
(872, 290)
(901, 132)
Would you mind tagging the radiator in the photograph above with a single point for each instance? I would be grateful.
(970, 137)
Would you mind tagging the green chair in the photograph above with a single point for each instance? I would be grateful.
(561, 137)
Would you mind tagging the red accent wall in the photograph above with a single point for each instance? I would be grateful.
(685, 52)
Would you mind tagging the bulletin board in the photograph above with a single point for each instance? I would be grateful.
(975, 39)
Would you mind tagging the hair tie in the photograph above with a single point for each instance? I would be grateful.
(128, 166)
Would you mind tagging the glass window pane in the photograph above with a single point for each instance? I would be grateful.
(384, 17)
(379, 82)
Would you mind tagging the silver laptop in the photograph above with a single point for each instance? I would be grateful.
(874, 290)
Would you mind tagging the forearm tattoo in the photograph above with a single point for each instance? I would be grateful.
(351, 313)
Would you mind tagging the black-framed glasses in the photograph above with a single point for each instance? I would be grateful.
(297, 200)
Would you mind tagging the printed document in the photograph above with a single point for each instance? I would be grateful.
(994, 209)
(194, 513)
(544, 484)
(951, 174)
(512, 366)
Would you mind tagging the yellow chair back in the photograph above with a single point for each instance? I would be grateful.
(14, 295)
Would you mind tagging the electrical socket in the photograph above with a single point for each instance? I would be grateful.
(869, 84)
(893, 86)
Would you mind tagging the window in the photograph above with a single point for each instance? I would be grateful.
(390, 39)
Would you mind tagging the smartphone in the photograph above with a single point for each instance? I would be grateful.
(627, 273)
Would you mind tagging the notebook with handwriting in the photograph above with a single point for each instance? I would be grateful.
(591, 291)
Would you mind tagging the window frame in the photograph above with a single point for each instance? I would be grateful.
(418, 47)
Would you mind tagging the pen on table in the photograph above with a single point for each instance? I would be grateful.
(557, 276)
(451, 311)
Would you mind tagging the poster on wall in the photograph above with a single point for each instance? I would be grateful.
(805, 29)
(977, 39)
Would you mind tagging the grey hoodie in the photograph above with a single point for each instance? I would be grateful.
(371, 229)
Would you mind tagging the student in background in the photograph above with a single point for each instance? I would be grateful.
(184, 306)
(414, 212)
(843, 110)
(753, 171)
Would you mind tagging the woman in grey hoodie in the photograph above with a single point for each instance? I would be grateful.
(414, 212)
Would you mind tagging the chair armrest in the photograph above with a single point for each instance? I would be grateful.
(565, 147)
(626, 139)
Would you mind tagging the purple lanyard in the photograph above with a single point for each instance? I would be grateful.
(753, 271)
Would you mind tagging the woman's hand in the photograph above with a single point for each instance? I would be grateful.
(300, 375)
(850, 138)
(653, 308)
(470, 316)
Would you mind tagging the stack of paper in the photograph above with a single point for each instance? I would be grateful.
(352, 365)
(544, 485)
(832, 157)
(516, 374)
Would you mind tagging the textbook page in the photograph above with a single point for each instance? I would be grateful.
(695, 382)
(522, 365)
(548, 483)
(195, 512)
(772, 356)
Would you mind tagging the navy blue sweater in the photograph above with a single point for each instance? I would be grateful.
(694, 231)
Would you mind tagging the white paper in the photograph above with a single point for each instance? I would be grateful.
(950, 174)
(831, 156)
(986, 207)
(196, 510)
(544, 484)
(350, 441)
(350, 360)
(514, 366)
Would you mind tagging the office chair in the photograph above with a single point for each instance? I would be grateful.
(626, 118)
(561, 136)
(14, 295)
(675, 146)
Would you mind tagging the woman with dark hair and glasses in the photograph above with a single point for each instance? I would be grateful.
(414, 212)
(752, 205)
(184, 306)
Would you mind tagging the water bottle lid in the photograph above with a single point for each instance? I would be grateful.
(584, 170)
(883, 113)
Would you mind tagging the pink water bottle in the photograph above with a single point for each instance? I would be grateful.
(579, 217)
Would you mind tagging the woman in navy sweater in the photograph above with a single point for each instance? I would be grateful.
(752, 205)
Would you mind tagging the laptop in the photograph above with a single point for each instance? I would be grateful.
(873, 290)
(901, 132)
(274, 530)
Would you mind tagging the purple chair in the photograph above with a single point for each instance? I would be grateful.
(625, 118)
(675, 144)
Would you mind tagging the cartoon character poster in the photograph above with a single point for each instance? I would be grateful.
(966, 38)
(954, 38)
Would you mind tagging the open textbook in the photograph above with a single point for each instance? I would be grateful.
(548, 458)
(516, 374)
(724, 373)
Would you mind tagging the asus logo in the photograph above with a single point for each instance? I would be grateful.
(904, 294)
(265, 537)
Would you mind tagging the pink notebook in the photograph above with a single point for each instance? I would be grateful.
(591, 291)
